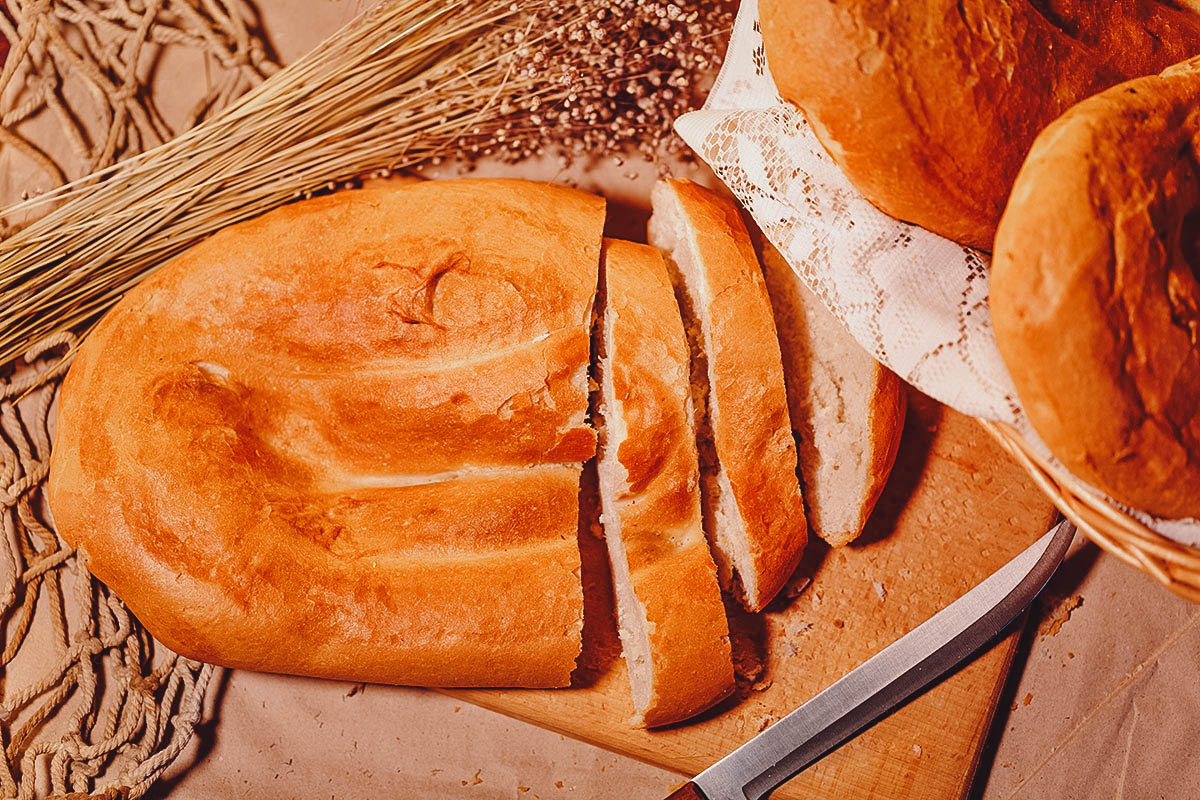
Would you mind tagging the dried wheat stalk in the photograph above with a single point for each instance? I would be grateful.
(414, 80)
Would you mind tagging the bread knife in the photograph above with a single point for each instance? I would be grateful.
(884, 681)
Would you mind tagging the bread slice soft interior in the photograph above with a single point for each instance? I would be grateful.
(676, 642)
(847, 409)
(753, 510)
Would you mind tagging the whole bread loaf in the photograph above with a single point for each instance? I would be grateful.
(344, 439)
(1094, 290)
(929, 106)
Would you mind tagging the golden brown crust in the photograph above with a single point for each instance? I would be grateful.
(252, 445)
(889, 405)
(692, 672)
(1094, 291)
(929, 107)
(748, 404)
(658, 498)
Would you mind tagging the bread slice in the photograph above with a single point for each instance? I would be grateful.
(676, 643)
(753, 510)
(847, 409)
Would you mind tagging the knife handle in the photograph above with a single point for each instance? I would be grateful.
(688, 791)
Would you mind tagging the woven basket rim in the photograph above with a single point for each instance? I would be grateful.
(1173, 564)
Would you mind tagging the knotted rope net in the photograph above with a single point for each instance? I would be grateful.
(103, 705)
(89, 703)
(90, 64)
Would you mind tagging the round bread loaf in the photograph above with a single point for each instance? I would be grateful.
(344, 439)
(1094, 291)
(929, 106)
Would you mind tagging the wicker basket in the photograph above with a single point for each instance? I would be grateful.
(1174, 565)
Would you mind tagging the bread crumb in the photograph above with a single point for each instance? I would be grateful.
(558, 784)
(1027, 699)
(766, 721)
(475, 779)
(797, 627)
(1056, 611)
(917, 750)
(880, 590)
(763, 685)
(522, 788)
(796, 587)
(793, 629)
(839, 623)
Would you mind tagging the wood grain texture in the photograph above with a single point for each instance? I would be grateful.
(955, 509)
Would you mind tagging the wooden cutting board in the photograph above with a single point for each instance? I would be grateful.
(956, 508)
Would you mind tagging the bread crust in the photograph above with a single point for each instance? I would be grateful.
(343, 439)
(654, 492)
(889, 406)
(930, 106)
(1097, 313)
(748, 409)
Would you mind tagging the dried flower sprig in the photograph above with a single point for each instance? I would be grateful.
(628, 69)
(412, 81)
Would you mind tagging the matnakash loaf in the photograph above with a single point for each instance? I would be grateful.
(344, 439)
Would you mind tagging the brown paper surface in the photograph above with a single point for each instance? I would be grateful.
(1101, 703)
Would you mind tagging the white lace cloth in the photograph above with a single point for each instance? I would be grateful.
(915, 300)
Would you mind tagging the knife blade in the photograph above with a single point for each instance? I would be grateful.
(884, 681)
